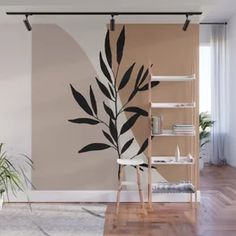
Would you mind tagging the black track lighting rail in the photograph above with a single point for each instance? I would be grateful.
(112, 14)
(213, 23)
(29, 13)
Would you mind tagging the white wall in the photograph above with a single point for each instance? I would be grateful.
(15, 78)
(232, 95)
(15, 85)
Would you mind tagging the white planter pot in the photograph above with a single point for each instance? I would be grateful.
(1, 202)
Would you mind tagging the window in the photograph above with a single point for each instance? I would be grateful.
(205, 79)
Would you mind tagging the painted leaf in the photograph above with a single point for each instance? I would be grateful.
(137, 110)
(143, 147)
(132, 95)
(93, 101)
(94, 147)
(109, 111)
(84, 121)
(120, 45)
(111, 91)
(139, 168)
(103, 88)
(126, 77)
(127, 145)
(144, 76)
(129, 123)
(140, 72)
(113, 130)
(108, 137)
(146, 166)
(144, 88)
(81, 101)
(104, 68)
(153, 84)
(108, 49)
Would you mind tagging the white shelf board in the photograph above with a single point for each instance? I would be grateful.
(170, 160)
(167, 182)
(173, 78)
(170, 133)
(128, 183)
(173, 105)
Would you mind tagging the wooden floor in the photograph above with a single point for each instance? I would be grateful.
(214, 216)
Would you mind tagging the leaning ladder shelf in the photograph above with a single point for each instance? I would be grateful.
(170, 160)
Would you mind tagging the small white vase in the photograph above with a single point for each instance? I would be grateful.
(177, 154)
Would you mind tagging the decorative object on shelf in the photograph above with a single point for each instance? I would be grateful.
(176, 187)
(157, 124)
(12, 174)
(177, 154)
(110, 89)
(205, 125)
(187, 129)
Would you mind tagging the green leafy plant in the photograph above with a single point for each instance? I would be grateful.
(110, 88)
(12, 175)
(205, 125)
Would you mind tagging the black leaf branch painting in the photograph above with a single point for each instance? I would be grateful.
(110, 89)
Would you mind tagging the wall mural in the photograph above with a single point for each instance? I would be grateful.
(112, 131)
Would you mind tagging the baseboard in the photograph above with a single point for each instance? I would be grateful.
(97, 196)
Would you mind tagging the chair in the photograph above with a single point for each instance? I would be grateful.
(128, 162)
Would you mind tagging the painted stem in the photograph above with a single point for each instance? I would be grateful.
(101, 121)
(116, 115)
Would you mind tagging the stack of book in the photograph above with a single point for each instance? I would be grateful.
(183, 129)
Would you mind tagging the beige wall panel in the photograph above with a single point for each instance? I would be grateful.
(172, 52)
(58, 60)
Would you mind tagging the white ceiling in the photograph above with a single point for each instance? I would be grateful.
(213, 10)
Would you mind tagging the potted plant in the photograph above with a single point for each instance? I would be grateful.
(205, 125)
(12, 174)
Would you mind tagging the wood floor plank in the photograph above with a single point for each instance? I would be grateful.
(215, 215)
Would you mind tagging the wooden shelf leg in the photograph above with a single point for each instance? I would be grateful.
(140, 189)
(119, 190)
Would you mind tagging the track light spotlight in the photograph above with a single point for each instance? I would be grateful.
(112, 23)
(186, 24)
(27, 23)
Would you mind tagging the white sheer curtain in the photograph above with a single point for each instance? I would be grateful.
(219, 83)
